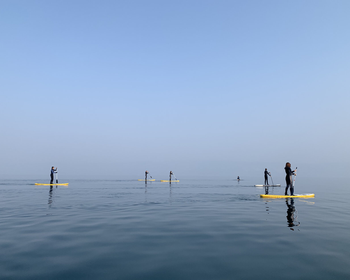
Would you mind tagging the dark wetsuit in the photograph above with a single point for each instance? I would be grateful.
(51, 175)
(289, 180)
(171, 173)
(266, 173)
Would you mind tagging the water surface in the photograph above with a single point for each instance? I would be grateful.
(195, 229)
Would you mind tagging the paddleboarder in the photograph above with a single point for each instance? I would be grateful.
(53, 170)
(266, 174)
(238, 178)
(289, 180)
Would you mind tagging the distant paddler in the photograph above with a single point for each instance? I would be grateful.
(238, 179)
(146, 179)
(146, 174)
(53, 172)
(170, 178)
(266, 174)
(171, 173)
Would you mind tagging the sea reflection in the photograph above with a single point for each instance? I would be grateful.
(291, 214)
(267, 207)
(266, 189)
(50, 196)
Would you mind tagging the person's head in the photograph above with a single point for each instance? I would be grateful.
(265, 169)
(288, 164)
(53, 167)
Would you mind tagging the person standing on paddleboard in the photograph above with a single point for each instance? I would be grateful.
(289, 180)
(53, 170)
(266, 174)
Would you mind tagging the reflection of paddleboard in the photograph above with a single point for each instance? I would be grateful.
(286, 196)
(277, 185)
(62, 184)
(167, 181)
(148, 180)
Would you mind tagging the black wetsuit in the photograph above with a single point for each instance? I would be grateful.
(289, 180)
(266, 173)
(51, 175)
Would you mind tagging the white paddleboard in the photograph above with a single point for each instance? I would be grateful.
(277, 185)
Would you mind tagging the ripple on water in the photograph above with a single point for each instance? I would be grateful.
(120, 230)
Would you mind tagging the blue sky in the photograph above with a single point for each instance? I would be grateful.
(108, 89)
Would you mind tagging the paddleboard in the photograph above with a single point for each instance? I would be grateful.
(148, 180)
(304, 195)
(168, 181)
(62, 184)
(277, 185)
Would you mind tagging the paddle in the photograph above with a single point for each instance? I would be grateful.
(271, 179)
(295, 175)
(56, 176)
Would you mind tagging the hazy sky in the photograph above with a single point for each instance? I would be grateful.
(108, 89)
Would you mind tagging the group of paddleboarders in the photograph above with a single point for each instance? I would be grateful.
(287, 168)
(289, 179)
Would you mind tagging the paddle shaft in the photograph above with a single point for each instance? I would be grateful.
(295, 175)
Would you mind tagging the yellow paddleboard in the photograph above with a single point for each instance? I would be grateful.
(305, 195)
(62, 184)
(148, 180)
(168, 181)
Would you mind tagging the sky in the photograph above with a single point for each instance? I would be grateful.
(109, 89)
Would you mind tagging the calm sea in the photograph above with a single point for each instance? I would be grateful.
(195, 229)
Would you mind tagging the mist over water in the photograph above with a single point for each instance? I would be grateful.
(195, 229)
(211, 90)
